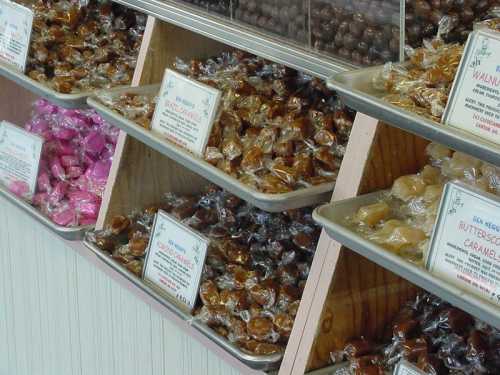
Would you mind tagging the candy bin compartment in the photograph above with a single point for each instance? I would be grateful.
(285, 18)
(361, 32)
(358, 297)
(422, 19)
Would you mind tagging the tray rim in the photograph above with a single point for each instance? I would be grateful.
(256, 362)
(68, 233)
(419, 276)
(313, 194)
(374, 106)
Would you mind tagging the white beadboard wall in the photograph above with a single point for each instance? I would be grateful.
(60, 315)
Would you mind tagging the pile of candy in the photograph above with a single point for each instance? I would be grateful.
(438, 338)
(79, 46)
(365, 32)
(287, 18)
(278, 130)
(361, 32)
(422, 85)
(402, 222)
(255, 270)
(76, 159)
(422, 18)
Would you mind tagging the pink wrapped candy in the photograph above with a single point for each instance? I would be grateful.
(76, 159)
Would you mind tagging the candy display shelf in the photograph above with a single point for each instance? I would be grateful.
(267, 202)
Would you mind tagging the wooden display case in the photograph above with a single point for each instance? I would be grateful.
(345, 295)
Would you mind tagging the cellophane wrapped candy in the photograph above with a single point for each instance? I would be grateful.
(255, 270)
(277, 130)
(76, 158)
(435, 336)
(83, 45)
(403, 220)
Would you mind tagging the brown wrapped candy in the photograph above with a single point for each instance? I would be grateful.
(234, 300)
(119, 224)
(138, 245)
(209, 294)
(358, 348)
(264, 293)
(260, 328)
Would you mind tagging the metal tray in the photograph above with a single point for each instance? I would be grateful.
(331, 216)
(263, 363)
(267, 202)
(70, 101)
(356, 90)
(68, 233)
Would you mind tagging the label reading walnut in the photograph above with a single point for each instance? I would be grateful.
(175, 259)
(19, 159)
(406, 368)
(15, 33)
(474, 103)
(465, 246)
(186, 111)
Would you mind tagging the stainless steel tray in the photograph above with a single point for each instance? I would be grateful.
(356, 90)
(263, 363)
(68, 233)
(331, 217)
(69, 101)
(267, 202)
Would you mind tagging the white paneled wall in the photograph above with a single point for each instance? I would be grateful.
(60, 315)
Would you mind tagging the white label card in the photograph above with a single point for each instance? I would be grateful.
(185, 111)
(19, 157)
(474, 103)
(175, 259)
(406, 368)
(15, 33)
(465, 246)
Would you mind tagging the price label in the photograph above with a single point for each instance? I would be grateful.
(474, 103)
(15, 33)
(175, 259)
(406, 368)
(19, 158)
(186, 111)
(465, 245)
